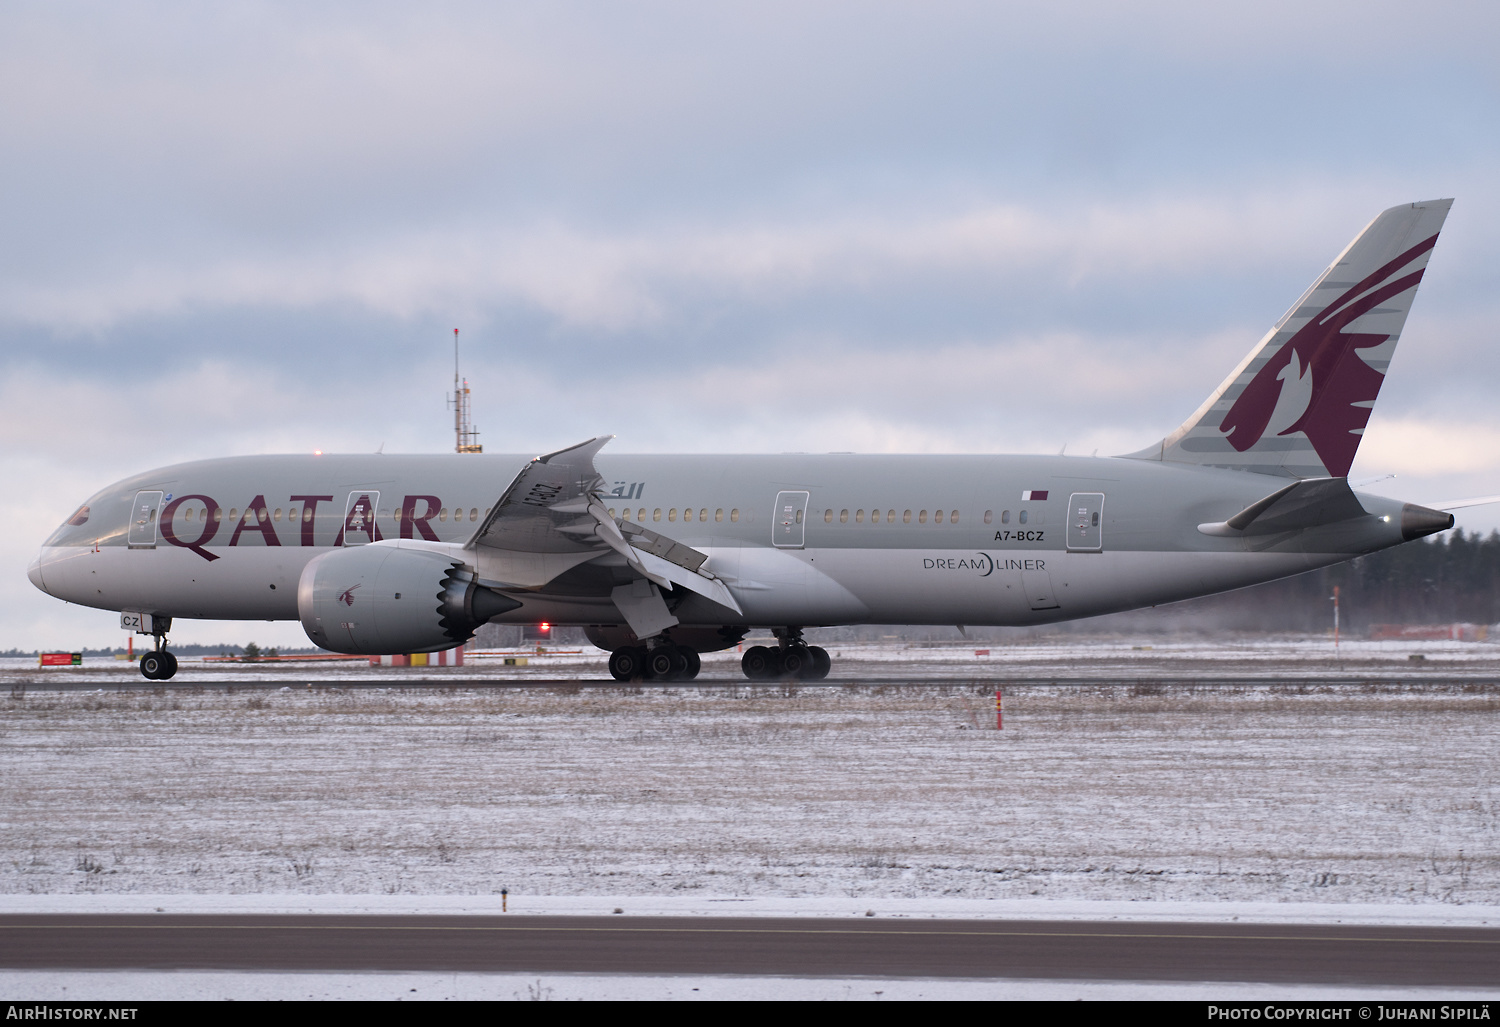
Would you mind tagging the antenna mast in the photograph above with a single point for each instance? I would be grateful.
(464, 432)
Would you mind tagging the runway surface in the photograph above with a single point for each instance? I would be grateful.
(1065, 950)
(987, 683)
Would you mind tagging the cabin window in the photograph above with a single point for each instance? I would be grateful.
(953, 517)
(626, 515)
(703, 513)
(640, 515)
(218, 516)
(612, 511)
(843, 516)
(859, 517)
(687, 514)
(1022, 517)
(799, 516)
(922, 517)
(906, 517)
(827, 516)
(719, 514)
(1004, 516)
(187, 514)
(234, 515)
(989, 517)
(890, 517)
(1095, 518)
(672, 514)
(937, 518)
(306, 514)
(443, 514)
(734, 516)
(474, 514)
(487, 510)
(656, 514)
(277, 515)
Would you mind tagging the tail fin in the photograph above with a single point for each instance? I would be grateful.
(1298, 403)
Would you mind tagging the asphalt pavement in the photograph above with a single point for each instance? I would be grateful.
(885, 947)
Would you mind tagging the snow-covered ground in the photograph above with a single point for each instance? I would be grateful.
(1380, 795)
(117, 987)
(1251, 656)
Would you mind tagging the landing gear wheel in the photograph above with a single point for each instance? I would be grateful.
(627, 663)
(694, 664)
(795, 662)
(821, 663)
(664, 663)
(758, 663)
(171, 665)
(154, 667)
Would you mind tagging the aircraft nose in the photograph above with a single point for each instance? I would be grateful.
(34, 572)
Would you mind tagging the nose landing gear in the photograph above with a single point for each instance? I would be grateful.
(159, 664)
(793, 660)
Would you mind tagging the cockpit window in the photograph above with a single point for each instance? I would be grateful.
(79, 518)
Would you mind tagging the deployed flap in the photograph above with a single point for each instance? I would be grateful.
(1302, 504)
(709, 588)
(643, 608)
(649, 541)
(660, 560)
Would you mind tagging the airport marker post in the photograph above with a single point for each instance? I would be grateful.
(504, 898)
(999, 712)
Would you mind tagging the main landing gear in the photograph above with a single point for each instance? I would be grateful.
(793, 659)
(158, 665)
(662, 662)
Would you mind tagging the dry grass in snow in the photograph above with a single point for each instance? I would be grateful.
(1377, 794)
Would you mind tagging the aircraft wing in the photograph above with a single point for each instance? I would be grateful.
(550, 519)
(540, 510)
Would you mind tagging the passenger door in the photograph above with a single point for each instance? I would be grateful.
(787, 527)
(359, 518)
(1086, 522)
(143, 517)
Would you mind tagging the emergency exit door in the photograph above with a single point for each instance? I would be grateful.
(1086, 522)
(787, 527)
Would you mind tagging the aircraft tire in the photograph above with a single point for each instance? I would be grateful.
(694, 664)
(152, 666)
(663, 663)
(170, 670)
(822, 663)
(758, 663)
(627, 663)
(795, 662)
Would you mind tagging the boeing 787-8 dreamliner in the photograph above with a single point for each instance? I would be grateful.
(661, 558)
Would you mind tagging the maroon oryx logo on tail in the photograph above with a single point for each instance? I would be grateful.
(1324, 407)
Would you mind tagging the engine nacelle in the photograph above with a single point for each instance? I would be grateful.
(380, 599)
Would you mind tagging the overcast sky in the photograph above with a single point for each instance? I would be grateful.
(924, 227)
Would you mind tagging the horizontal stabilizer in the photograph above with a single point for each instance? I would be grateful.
(1462, 504)
(1303, 504)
